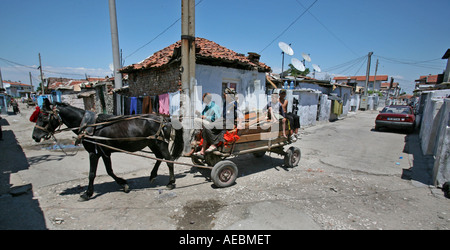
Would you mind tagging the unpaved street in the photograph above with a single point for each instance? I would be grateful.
(349, 177)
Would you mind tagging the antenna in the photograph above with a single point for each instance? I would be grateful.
(306, 57)
(317, 68)
(286, 48)
(298, 64)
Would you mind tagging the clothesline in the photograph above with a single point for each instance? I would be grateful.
(167, 103)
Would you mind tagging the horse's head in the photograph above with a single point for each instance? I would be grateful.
(47, 121)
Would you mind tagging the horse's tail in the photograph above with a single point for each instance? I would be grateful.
(178, 144)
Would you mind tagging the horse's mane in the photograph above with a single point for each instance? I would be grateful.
(66, 105)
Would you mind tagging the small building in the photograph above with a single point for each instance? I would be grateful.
(429, 81)
(94, 94)
(389, 88)
(17, 89)
(435, 82)
(216, 68)
(359, 82)
(316, 100)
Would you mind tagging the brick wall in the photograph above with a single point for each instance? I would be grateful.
(155, 81)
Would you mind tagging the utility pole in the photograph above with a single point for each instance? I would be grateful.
(1, 79)
(365, 99)
(42, 76)
(31, 83)
(3, 105)
(116, 53)
(369, 56)
(115, 44)
(375, 77)
(187, 67)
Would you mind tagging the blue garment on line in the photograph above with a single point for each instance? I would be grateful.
(133, 105)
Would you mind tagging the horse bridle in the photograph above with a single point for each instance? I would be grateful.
(54, 113)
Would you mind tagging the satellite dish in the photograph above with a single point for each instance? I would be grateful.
(298, 64)
(306, 57)
(286, 48)
(316, 68)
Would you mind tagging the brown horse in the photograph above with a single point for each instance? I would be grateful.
(152, 125)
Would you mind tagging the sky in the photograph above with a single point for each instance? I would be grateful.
(407, 37)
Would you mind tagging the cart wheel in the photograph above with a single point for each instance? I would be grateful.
(224, 173)
(259, 154)
(292, 157)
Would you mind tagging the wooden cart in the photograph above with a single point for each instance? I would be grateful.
(253, 140)
(30, 102)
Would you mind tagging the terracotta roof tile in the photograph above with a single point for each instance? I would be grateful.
(386, 85)
(205, 49)
(362, 78)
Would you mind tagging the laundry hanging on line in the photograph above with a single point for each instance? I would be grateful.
(167, 103)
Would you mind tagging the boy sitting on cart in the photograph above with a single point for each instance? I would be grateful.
(214, 131)
(274, 112)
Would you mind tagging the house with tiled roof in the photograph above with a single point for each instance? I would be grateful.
(359, 82)
(217, 68)
(428, 82)
(390, 88)
(439, 81)
(17, 89)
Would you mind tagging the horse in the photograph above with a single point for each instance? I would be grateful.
(148, 130)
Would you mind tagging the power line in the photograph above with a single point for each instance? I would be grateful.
(36, 68)
(421, 64)
(289, 26)
(361, 60)
(345, 64)
(331, 32)
(157, 36)
(362, 64)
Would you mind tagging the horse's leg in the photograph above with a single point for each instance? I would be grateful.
(171, 184)
(154, 172)
(161, 151)
(109, 170)
(158, 155)
(166, 154)
(93, 162)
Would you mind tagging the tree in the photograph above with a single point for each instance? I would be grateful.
(295, 72)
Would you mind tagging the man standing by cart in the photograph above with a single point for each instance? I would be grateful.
(294, 120)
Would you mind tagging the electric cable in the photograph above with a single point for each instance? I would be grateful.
(329, 31)
(289, 26)
(157, 36)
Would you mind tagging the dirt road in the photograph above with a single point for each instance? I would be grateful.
(349, 177)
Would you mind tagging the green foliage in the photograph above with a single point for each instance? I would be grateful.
(295, 72)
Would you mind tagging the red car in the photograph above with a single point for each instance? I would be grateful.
(397, 117)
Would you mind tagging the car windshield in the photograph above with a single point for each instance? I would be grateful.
(396, 110)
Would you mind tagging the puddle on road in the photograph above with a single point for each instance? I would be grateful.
(198, 215)
(62, 146)
(65, 144)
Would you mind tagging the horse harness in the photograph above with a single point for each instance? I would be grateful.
(50, 114)
(159, 135)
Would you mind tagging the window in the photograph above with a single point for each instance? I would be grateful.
(229, 84)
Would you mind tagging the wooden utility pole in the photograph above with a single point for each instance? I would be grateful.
(31, 82)
(187, 45)
(115, 44)
(1, 79)
(369, 56)
(187, 67)
(364, 98)
(42, 76)
(375, 77)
